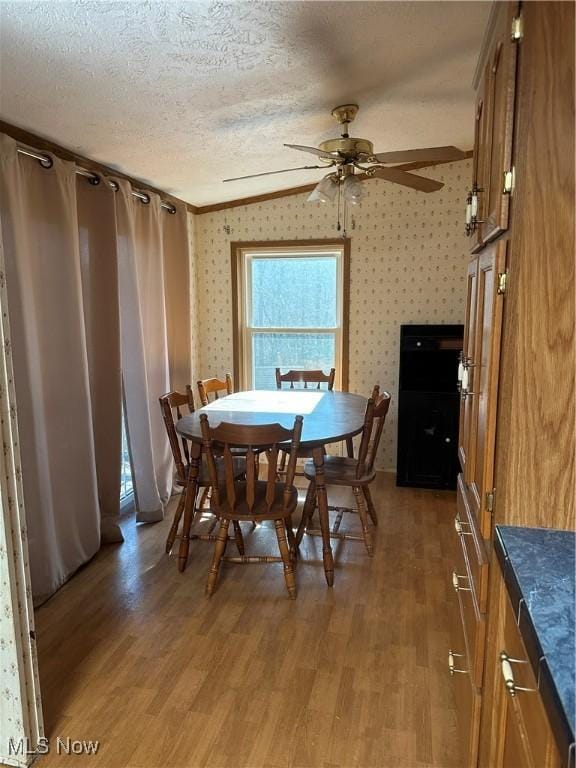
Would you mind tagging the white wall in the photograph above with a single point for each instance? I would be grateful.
(408, 264)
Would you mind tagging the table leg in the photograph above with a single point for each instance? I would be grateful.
(322, 497)
(191, 491)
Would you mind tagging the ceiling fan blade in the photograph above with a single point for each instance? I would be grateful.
(408, 179)
(432, 154)
(314, 151)
(270, 173)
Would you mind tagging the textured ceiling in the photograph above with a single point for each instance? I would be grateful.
(184, 94)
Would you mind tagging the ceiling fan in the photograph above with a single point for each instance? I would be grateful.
(353, 159)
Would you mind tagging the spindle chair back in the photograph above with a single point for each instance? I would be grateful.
(374, 419)
(174, 405)
(305, 378)
(214, 387)
(355, 473)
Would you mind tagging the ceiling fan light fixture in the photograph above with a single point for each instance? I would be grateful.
(353, 190)
(325, 191)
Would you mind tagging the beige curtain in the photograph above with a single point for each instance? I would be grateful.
(145, 366)
(99, 269)
(176, 247)
(40, 236)
(98, 287)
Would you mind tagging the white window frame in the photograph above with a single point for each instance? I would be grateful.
(244, 255)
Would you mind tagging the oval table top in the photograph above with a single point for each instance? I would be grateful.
(328, 416)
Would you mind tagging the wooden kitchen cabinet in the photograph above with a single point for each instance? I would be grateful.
(468, 530)
(466, 694)
(493, 175)
(517, 747)
(483, 377)
(501, 73)
(516, 445)
(479, 394)
(465, 437)
(523, 736)
(480, 166)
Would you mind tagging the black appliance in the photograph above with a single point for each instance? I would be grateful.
(428, 405)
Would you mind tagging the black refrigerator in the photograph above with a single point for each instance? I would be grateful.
(428, 405)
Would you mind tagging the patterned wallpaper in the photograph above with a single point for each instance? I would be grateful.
(20, 707)
(408, 264)
(194, 305)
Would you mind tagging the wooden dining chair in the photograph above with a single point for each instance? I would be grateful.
(207, 387)
(356, 473)
(174, 405)
(235, 499)
(305, 378)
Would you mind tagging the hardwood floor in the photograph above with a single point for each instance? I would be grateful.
(132, 654)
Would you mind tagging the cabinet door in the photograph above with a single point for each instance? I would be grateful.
(481, 161)
(484, 382)
(465, 437)
(520, 747)
(513, 747)
(427, 439)
(524, 737)
(499, 123)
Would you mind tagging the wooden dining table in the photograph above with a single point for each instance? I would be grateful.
(329, 417)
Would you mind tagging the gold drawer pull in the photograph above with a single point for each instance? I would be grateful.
(456, 582)
(508, 674)
(459, 529)
(451, 665)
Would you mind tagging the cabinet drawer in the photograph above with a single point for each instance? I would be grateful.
(467, 528)
(472, 620)
(526, 709)
(467, 697)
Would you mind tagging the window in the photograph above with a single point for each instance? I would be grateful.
(126, 484)
(290, 309)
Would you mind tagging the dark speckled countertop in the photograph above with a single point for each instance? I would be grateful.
(539, 567)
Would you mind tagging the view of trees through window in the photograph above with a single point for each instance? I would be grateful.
(126, 484)
(294, 317)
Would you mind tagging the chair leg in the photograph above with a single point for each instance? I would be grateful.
(359, 496)
(189, 506)
(175, 523)
(204, 497)
(307, 511)
(286, 558)
(219, 549)
(349, 448)
(238, 537)
(370, 503)
(290, 535)
(322, 501)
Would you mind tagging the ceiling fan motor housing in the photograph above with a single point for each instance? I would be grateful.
(349, 148)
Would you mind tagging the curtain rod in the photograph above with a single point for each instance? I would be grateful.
(47, 162)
